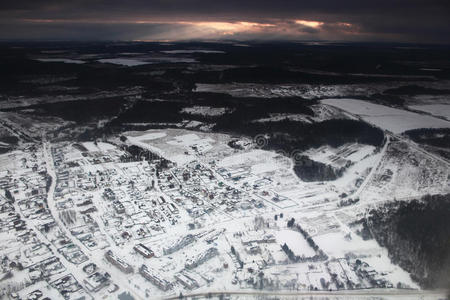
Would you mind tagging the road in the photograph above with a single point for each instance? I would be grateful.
(373, 170)
(347, 294)
(17, 131)
(94, 256)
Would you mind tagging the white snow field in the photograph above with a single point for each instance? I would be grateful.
(295, 241)
(193, 51)
(64, 60)
(388, 118)
(145, 60)
(440, 110)
(129, 62)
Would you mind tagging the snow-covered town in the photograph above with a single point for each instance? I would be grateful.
(163, 213)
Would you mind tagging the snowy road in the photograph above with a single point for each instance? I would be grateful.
(373, 170)
(94, 256)
(344, 294)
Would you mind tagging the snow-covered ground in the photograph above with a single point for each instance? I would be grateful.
(440, 110)
(306, 91)
(64, 60)
(193, 51)
(129, 62)
(295, 242)
(144, 60)
(388, 118)
(276, 117)
(205, 111)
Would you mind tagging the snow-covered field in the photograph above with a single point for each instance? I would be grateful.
(129, 62)
(341, 156)
(193, 51)
(145, 60)
(295, 241)
(64, 60)
(440, 110)
(205, 111)
(388, 118)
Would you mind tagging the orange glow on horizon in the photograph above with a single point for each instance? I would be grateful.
(229, 28)
(313, 24)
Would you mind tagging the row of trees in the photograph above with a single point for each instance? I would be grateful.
(320, 255)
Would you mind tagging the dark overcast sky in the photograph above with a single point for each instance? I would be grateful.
(351, 20)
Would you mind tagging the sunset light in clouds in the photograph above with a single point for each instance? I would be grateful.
(346, 20)
(229, 28)
(313, 24)
(289, 29)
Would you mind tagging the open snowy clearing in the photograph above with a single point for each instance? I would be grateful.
(178, 146)
(295, 241)
(193, 51)
(440, 110)
(64, 60)
(388, 118)
(129, 62)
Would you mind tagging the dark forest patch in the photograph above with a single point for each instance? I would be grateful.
(437, 137)
(416, 234)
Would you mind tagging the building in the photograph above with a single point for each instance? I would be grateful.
(96, 282)
(118, 262)
(178, 244)
(248, 240)
(155, 278)
(186, 281)
(118, 206)
(201, 258)
(173, 209)
(143, 250)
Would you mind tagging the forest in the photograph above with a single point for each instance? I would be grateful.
(416, 234)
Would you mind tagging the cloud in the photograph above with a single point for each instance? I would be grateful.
(395, 20)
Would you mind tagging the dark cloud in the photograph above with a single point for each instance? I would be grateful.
(402, 20)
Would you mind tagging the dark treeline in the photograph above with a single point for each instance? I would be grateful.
(310, 170)
(438, 137)
(293, 135)
(279, 74)
(136, 153)
(386, 99)
(416, 90)
(417, 236)
(320, 255)
(78, 110)
(152, 111)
